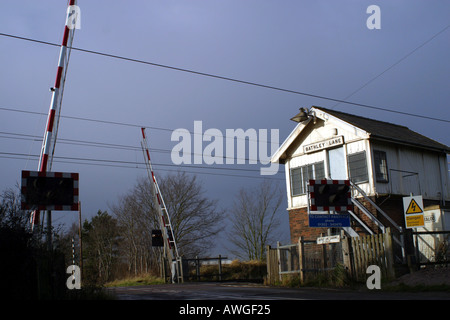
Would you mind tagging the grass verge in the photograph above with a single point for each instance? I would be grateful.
(136, 281)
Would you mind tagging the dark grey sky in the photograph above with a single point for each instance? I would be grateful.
(317, 47)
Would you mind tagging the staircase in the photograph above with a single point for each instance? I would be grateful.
(364, 227)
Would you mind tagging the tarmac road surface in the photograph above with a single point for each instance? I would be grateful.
(249, 291)
(247, 300)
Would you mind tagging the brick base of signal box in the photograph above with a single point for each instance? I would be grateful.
(392, 205)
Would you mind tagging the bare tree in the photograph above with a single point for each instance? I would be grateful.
(254, 218)
(195, 218)
(135, 214)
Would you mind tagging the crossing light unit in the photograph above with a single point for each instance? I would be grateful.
(157, 238)
(330, 195)
(49, 191)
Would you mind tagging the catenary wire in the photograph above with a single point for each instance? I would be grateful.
(227, 78)
(119, 123)
(28, 137)
(123, 164)
(95, 160)
(393, 65)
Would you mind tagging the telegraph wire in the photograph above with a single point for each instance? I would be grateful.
(159, 169)
(393, 65)
(227, 78)
(127, 164)
(96, 144)
(88, 119)
(94, 160)
(117, 123)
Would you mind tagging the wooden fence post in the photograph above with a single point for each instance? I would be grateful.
(389, 254)
(301, 258)
(180, 275)
(356, 245)
(346, 253)
(220, 267)
(324, 253)
(197, 267)
(279, 260)
(268, 266)
(272, 265)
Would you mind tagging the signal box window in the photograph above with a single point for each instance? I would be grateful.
(300, 177)
(357, 165)
(381, 169)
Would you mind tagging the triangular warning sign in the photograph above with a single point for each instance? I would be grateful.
(413, 207)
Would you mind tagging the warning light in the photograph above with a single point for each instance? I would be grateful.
(331, 195)
(157, 238)
(49, 191)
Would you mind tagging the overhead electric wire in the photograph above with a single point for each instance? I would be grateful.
(228, 78)
(393, 65)
(116, 146)
(133, 162)
(29, 137)
(119, 123)
(21, 136)
(123, 164)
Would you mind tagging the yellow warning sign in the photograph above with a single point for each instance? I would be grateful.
(415, 221)
(413, 207)
(413, 210)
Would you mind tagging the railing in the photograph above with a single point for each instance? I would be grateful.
(307, 257)
(400, 240)
(186, 266)
(431, 248)
(302, 258)
(361, 191)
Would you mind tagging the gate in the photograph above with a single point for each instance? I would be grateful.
(307, 258)
(369, 250)
(190, 268)
(304, 258)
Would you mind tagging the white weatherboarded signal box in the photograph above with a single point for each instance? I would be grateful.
(413, 210)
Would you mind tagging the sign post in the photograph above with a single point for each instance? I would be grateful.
(413, 210)
(329, 220)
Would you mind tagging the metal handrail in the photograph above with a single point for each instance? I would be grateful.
(400, 241)
(361, 191)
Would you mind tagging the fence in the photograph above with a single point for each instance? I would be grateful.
(190, 269)
(307, 257)
(304, 258)
(369, 250)
(432, 247)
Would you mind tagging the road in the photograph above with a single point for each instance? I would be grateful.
(248, 291)
(235, 300)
